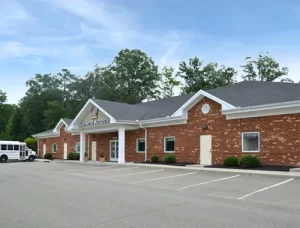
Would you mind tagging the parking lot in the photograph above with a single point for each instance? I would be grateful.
(73, 195)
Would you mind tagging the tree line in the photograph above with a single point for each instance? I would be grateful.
(131, 77)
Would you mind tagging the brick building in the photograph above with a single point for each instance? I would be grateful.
(258, 118)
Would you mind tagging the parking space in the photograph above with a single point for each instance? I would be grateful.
(83, 195)
(243, 187)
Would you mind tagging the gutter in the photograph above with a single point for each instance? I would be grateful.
(290, 104)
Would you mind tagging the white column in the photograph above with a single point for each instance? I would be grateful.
(82, 146)
(121, 132)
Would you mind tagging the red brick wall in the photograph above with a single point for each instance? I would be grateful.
(279, 136)
(103, 144)
(65, 137)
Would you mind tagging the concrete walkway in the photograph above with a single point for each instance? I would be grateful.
(192, 167)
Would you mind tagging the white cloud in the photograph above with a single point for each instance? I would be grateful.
(168, 57)
(15, 49)
(12, 15)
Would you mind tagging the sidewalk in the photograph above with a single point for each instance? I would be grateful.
(192, 167)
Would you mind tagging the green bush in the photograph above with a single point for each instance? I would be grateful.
(249, 161)
(170, 158)
(231, 161)
(76, 156)
(154, 158)
(48, 156)
(71, 156)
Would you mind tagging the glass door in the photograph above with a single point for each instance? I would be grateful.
(114, 150)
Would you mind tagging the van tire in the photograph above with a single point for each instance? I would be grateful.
(31, 158)
(3, 159)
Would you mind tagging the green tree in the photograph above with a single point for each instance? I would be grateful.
(31, 143)
(65, 80)
(264, 68)
(14, 129)
(210, 76)
(6, 110)
(131, 78)
(168, 82)
(49, 98)
(53, 113)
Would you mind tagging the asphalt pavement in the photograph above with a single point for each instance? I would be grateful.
(56, 195)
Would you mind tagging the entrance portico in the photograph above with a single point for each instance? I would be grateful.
(116, 145)
(93, 119)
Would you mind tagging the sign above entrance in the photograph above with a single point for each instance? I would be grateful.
(94, 118)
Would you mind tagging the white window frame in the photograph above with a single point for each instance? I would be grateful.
(137, 145)
(53, 147)
(76, 147)
(165, 144)
(251, 151)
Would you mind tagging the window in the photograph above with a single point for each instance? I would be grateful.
(10, 147)
(3, 147)
(140, 145)
(169, 144)
(77, 147)
(250, 141)
(16, 147)
(54, 148)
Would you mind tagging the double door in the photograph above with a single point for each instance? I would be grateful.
(114, 150)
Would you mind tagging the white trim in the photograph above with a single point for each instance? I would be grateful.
(137, 146)
(76, 147)
(46, 136)
(171, 152)
(253, 151)
(59, 125)
(110, 158)
(196, 98)
(90, 101)
(263, 110)
(55, 147)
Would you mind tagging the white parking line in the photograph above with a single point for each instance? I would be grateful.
(161, 178)
(263, 189)
(132, 174)
(112, 170)
(206, 182)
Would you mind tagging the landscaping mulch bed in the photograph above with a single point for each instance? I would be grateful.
(173, 164)
(262, 167)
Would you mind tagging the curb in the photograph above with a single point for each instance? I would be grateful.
(200, 169)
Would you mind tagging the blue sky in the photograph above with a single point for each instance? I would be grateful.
(44, 36)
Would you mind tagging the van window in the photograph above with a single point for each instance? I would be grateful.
(10, 147)
(3, 147)
(16, 147)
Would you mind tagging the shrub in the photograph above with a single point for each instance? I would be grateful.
(249, 161)
(231, 161)
(154, 158)
(71, 156)
(48, 156)
(76, 156)
(170, 158)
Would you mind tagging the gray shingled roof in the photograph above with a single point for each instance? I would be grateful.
(44, 132)
(251, 93)
(67, 121)
(246, 93)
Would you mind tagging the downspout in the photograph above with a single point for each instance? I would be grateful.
(146, 144)
(88, 147)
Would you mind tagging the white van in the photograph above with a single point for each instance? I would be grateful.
(14, 150)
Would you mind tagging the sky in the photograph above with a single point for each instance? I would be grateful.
(44, 36)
